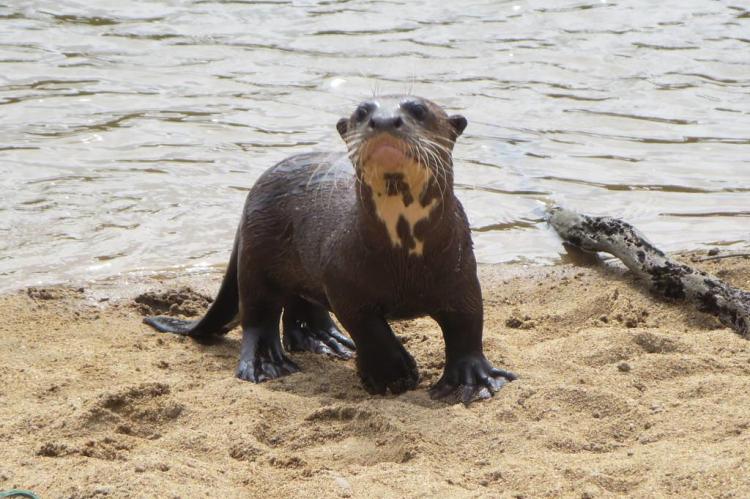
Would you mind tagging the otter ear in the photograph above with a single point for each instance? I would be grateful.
(342, 126)
(458, 123)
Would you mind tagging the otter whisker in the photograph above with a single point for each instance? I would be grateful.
(442, 153)
(440, 176)
(440, 147)
(424, 164)
(442, 163)
(438, 161)
(356, 156)
(434, 176)
(423, 161)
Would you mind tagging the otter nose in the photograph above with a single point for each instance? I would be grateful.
(386, 123)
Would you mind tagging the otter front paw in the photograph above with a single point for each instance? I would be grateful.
(394, 371)
(468, 379)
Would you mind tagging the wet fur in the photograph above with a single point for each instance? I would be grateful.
(314, 237)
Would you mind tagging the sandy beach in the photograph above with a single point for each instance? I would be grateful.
(132, 132)
(620, 393)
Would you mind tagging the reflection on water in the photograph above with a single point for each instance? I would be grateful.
(130, 131)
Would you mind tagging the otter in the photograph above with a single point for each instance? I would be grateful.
(372, 234)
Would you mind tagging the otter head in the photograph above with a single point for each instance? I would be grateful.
(390, 133)
(401, 148)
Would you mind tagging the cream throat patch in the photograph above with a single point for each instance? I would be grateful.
(396, 194)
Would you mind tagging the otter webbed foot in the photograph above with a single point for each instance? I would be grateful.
(394, 370)
(165, 324)
(383, 364)
(263, 368)
(263, 359)
(469, 379)
(309, 337)
(308, 327)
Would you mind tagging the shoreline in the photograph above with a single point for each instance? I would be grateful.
(620, 393)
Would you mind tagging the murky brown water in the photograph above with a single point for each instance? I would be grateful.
(130, 131)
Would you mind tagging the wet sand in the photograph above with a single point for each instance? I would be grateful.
(620, 394)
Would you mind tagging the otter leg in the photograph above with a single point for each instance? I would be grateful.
(467, 375)
(261, 355)
(308, 327)
(382, 361)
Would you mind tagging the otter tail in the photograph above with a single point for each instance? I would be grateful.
(221, 316)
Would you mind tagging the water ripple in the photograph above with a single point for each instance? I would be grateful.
(131, 134)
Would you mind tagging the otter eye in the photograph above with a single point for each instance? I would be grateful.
(362, 111)
(418, 111)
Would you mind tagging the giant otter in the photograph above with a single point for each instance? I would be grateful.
(372, 235)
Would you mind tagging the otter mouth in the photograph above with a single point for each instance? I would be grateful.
(387, 152)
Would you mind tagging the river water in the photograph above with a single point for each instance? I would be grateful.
(131, 131)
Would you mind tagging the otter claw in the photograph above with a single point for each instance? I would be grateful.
(469, 380)
(261, 369)
(323, 341)
(509, 376)
(340, 338)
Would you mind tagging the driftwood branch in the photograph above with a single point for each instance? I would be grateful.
(665, 276)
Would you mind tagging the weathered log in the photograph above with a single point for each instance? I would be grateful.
(664, 275)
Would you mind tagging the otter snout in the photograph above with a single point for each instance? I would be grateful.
(385, 123)
(386, 152)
